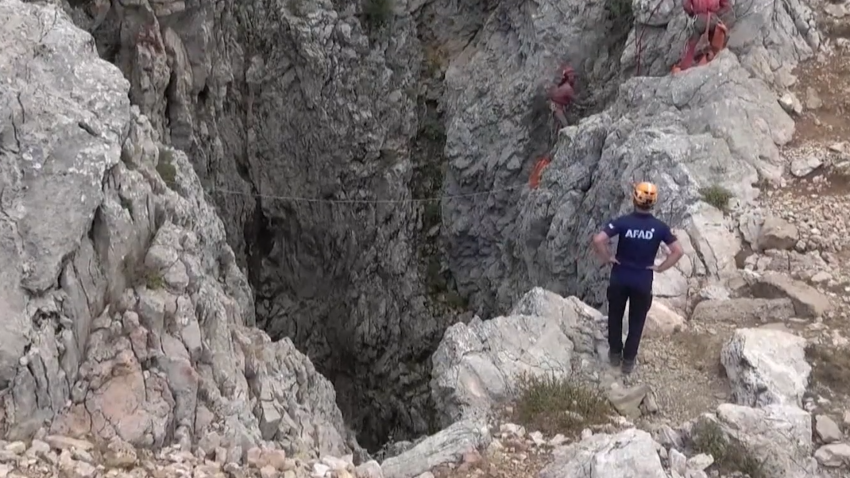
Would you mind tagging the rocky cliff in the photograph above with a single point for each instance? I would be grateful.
(125, 315)
(278, 100)
(313, 125)
(685, 133)
(318, 128)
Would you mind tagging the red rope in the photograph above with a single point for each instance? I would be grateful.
(537, 172)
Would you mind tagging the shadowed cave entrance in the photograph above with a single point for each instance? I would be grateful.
(381, 378)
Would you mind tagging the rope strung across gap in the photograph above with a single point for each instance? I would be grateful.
(364, 201)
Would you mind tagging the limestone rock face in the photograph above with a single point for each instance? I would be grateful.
(630, 453)
(126, 316)
(717, 126)
(766, 367)
(779, 436)
(477, 364)
(282, 105)
(278, 103)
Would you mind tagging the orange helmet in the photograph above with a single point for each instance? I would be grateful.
(645, 195)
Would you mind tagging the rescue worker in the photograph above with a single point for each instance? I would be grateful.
(707, 20)
(562, 95)
(640, 235)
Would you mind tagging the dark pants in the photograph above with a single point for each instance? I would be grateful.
(639, 302)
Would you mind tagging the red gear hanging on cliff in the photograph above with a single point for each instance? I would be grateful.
(707, 23)
(562, 95)
(537, 171)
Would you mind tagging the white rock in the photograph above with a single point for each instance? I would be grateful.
(700, 462)
(678, 461)
(766, 366)
(833, 455)
(537, 438)
(370, 469)
(512, 429)
(803, 166)
(791, 104)
(827, 429)
(335, 463)
(320, 470)
(628, 453)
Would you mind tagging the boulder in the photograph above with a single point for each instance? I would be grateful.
(802, 166)
(476, 364)
(628, 454)
(779, 436)
(446, 446)
(808, 301)
(777, 233)
(834, 455)
(627, 400)
(827, 429)
(766, 366)
(743, 310)
(125, 313)
(660, 321)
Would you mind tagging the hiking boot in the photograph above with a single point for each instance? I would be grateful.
(628, 366)
(615, 359)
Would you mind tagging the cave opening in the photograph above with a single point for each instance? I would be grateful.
(384, 393)
(381, 379)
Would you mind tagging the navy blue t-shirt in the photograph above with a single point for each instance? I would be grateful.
(640, 236)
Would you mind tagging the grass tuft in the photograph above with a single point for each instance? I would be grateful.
(717, 196)
(554, 405)
(729, 455)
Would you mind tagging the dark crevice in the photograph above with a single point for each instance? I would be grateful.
(204, 94)
(259, 240)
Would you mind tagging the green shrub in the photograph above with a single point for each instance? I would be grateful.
(830, 367)
(154, 281)
(455, 300)
(126, 204)
(619, 11)
(432, 214)
(717, 196)
(296, 7)
(434, 277)
(553, 405)
(729, 455)
(377, 13)
(165, 168)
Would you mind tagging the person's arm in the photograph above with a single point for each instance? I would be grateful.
(562, 94)
(676, 251)
(601, 240)
(725, 6)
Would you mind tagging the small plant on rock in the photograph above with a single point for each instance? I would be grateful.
(830, 367)
(153, 280)
(717, 196)
(554, 404)
(729, 455)
(619, 10)
(127, 204)
(377, 13)
(296, 7)
(165, 168)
